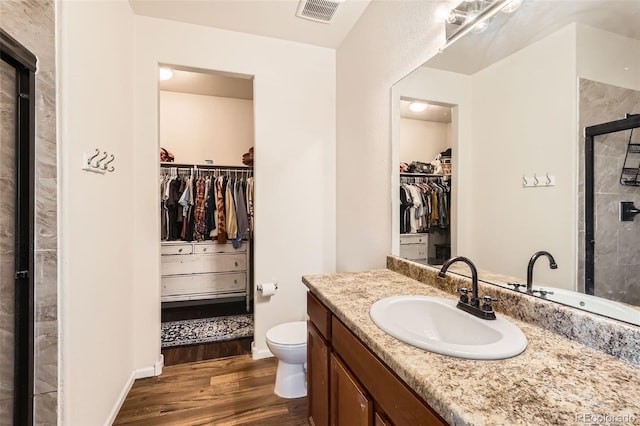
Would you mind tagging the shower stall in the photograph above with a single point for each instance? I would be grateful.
(17, 139)
(611, 195)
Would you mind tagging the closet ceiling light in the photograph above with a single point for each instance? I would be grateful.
(417, 106)
(165, 73)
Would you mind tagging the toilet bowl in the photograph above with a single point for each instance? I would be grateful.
(288, 343)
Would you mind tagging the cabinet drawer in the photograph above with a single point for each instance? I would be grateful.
(211, 247)
(168, 249)
(413, 251)
(202, 286)
(319, 315)
(413, 238)
(202, 263)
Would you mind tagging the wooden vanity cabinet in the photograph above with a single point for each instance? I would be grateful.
(318, 353)
(347, 383)
(350, 404)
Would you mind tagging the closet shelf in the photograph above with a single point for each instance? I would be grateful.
(202, 166)
(423, 174)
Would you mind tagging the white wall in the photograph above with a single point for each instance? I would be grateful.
(608, 58)
(95, 110)
(390, 40)
(197, 127)
(294, 107)
(422, 140)
(535, 93)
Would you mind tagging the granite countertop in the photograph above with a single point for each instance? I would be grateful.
(554, 381)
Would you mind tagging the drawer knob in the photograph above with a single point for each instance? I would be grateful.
(235, 281)
(235, 263)
(204, 249)
(179, 250)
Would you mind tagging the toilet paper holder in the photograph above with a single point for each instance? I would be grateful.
(260, 288)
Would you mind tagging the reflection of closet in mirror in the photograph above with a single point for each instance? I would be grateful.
(206, 131)
(425, 137)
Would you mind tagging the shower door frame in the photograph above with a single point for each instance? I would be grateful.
(590, 133)
(25, 64)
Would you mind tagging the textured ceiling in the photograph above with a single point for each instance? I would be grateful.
(271, 18)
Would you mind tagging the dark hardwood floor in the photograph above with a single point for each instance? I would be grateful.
(228, 392)
(205, 351)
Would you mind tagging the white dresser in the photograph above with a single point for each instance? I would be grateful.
(414, 246)
(203, 270)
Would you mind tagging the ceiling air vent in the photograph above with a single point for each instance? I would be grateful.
(318, 10)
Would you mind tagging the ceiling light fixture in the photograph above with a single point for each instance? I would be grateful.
(165, 73)
(418, 106)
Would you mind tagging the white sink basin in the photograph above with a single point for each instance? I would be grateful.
(435, 324)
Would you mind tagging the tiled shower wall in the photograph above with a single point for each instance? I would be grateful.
(617, 247)
(32, 23)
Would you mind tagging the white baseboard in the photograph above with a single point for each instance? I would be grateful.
(157, 367)
(151, 371)
(260, 353)
(139, 373)
(123, 395)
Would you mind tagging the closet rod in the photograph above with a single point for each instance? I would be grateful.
(203, 166)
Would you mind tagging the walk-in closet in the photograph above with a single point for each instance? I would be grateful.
(206, 186)
(425, 181)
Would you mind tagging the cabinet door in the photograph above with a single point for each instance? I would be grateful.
(381, 420)
(350, 406)
(318, 377)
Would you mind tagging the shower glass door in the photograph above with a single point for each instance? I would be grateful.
(17, 140)
(8, 115)
(612, 202)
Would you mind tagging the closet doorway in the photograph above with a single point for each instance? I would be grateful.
(17, 139)
(206, 139)
(425, 148)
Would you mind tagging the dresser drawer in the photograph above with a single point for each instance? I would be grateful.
(413, 251)
(203, 286)
(414, 238)
(211, 247)
(169, 249)
(202, 263)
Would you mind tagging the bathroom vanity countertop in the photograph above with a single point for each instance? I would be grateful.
(554, 381)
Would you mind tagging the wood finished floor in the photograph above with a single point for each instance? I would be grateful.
(228, 392)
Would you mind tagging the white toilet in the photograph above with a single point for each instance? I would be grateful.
(288, 343)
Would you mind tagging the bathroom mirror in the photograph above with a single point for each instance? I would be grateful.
(521, 93)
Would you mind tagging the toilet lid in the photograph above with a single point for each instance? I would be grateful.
(289, 333)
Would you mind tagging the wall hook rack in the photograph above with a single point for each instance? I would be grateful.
(96, 163)
(534, 181)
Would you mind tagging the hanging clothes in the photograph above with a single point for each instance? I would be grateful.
(200, 206)
(424, 204)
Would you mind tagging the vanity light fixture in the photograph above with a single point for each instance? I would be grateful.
(512, 6)
(471, 17)
(165, 73)
(418, 106)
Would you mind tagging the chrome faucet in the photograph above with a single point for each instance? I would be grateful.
(532, 262)
(472, 305)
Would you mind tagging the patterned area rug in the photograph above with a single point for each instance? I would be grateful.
(206, 330)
